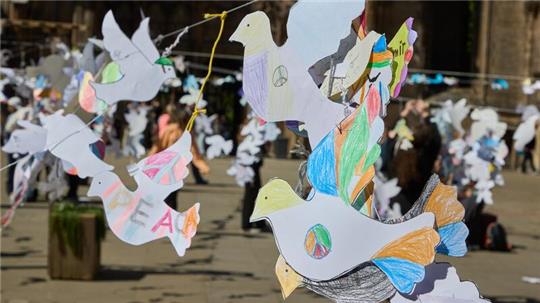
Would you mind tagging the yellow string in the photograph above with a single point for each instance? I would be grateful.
(197, 111)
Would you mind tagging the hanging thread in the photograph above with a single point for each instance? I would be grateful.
(197, 111)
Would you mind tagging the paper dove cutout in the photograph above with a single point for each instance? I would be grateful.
(276, 80)
(137, 121)
(318, 242)
(140, 217)
(140, 64)
(369, 283)
(69, 139)
(441, 284)
(525, 132)
(458, 113)
(218, 146)
(28, 140)
(485, 120)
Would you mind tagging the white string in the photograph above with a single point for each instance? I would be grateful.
(168, 49)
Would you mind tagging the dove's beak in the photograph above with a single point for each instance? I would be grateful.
(235, 37)
(256, 215)
(92, 191)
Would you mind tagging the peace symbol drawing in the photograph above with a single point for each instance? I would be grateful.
(280, 76)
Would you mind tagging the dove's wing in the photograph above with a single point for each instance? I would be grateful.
(122, 50)
(142, 41)
(313, 39)
(459, 112)
(342, 164)
(168, 167)
(87, 62)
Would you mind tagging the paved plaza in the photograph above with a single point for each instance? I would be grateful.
(226, 264)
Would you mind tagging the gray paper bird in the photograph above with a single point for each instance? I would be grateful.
(143, 70)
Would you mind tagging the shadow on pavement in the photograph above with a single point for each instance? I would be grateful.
(512, 299)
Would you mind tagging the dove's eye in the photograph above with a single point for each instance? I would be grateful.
(247, 25)
(99, 182)
(266, 197)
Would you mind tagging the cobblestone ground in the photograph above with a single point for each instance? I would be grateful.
(226, 264)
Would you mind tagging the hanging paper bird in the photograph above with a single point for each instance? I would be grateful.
(142, 216)
(143, 70)
(525, 132)
(370, 283)
(276, 81)
(218, 146)
(346, 173)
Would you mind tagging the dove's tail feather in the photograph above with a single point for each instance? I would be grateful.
(441, 200)
(453, 239)
(404, 259)
(181, 240)
(191, 221)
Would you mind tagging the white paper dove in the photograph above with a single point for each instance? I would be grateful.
(525, 132)
(30, 139)
(143, 216)
(458, 113)
(69, 139)
(143, 70)
(441, 284)
(276, 81)
(486, 120)
(218, 146)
